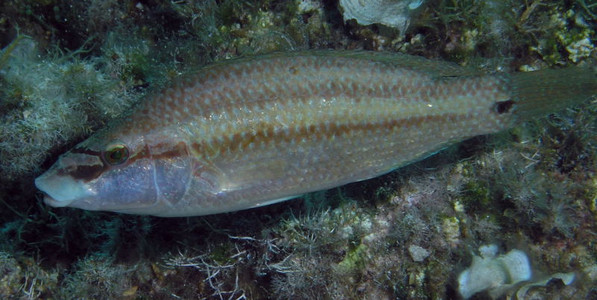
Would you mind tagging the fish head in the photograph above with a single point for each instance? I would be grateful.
(127, 173)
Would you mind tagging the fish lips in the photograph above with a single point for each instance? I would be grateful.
(60, 191)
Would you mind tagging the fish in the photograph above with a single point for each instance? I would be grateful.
(249, 132)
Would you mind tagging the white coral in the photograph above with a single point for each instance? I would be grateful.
(393, 13)
(495, 274)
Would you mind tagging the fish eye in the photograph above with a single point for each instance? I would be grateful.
(502, 107)
(116, 154)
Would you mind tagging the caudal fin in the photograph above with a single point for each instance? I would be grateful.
(546, 91)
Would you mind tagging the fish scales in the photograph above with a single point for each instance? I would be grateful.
(250, 132)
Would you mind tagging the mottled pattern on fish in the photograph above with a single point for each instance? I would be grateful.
(250, 132)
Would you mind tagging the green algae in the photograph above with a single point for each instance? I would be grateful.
(476, 195)
(8, 49)
(355, 260)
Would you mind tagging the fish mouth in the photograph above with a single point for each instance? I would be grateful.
(59, 190)
(53, 202)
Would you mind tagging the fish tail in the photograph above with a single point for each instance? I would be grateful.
(547, 91)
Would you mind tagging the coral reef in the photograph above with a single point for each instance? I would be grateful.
(68, 67)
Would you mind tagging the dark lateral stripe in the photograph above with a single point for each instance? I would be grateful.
(238, 142)
(321, 131)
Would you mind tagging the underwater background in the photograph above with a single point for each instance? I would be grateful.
(68, 67)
